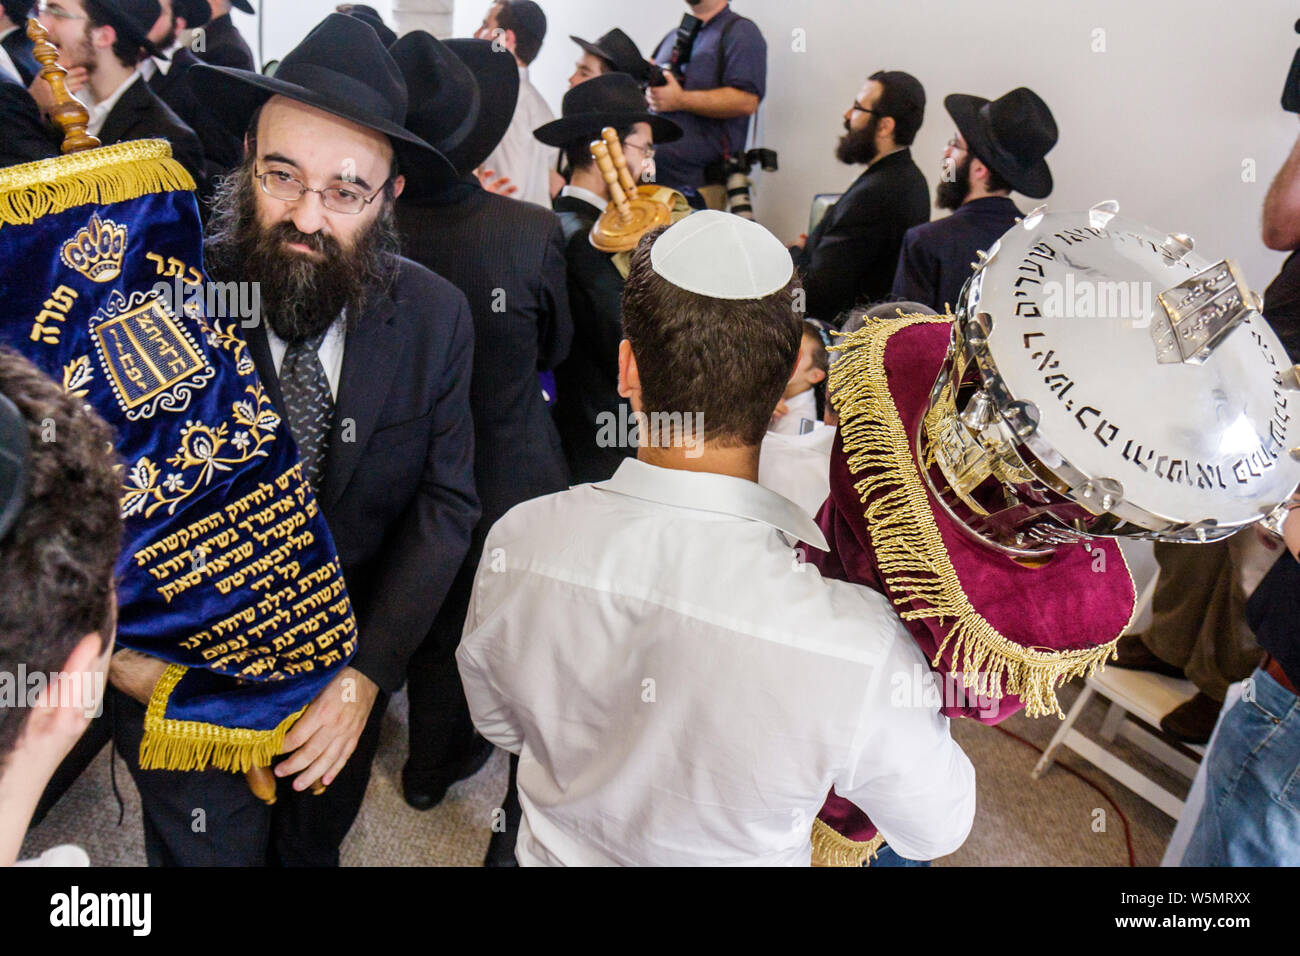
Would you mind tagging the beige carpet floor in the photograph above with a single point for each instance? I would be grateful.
(1020, 821)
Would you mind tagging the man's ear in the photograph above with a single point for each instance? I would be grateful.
(816, 376)
(886, 126)
(629, 377)
(104, 37)
(399, 184)
(978, 171)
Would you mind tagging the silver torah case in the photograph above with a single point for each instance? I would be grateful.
(1105, 380)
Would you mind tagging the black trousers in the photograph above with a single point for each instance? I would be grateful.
(211, 818)
(441, 731)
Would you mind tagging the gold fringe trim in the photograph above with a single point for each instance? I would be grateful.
(909, 548)
(190, 745)
(830, 848)
(109, 174)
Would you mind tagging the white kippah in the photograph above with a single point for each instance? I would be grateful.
(722, 256)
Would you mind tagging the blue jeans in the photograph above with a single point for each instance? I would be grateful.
(1251, 815)
(887, 857)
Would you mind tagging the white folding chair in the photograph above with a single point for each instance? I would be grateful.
(1139, 694)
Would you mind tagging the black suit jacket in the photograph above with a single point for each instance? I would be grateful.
(398, 497)
(224, 45)
(24, 136)
(508, 258)
(221, 150)
(850, 257)
(19, 49)
(139, 114)
(586, 383)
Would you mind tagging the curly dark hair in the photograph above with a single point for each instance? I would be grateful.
(56, 562)
(728, 360)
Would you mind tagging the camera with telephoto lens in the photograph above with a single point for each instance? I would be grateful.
(681, 55)
(736, 170)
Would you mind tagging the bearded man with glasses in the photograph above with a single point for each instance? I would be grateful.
(850, 257)
(367, 355)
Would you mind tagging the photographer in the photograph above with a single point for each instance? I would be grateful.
(714, 76)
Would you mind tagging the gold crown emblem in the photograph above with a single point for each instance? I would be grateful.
(97, 250)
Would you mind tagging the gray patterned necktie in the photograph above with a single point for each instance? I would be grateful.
(309, 404)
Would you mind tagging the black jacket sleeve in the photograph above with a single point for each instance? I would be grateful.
(850, 247)
(431, 539)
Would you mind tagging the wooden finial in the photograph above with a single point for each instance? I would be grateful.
(610, 136)
(605, 163)
(68, 111)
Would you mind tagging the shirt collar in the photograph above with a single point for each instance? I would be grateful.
(719, 494)
(586, 195)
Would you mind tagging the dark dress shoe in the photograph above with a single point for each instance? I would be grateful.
(1192, 722)
(1133, 655)
(424, 791)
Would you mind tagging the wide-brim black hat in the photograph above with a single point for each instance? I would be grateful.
(341, 68)
(369, 15)
(132, 19)
(612, 99)
(443, 93)
(1011, 135)
(617, 49)
(497, 74)
(195, 13)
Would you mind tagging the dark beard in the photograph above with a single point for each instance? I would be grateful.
(950, 195)
(858, 146)
(301, 296)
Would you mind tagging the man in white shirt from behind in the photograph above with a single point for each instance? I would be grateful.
(680, 688)
(519, 26)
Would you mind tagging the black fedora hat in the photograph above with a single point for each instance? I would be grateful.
(1011, 135)
(443, 92)
(612, 99)
(368, 14)
(195, 13)
(132, 19)
(617, 49)
(242, 5)
(341, 68)
(497, 74)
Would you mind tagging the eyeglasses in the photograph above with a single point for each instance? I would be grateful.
(862, 109)
(56, 11)
(646, 151)
(278, 184)
(956, 144)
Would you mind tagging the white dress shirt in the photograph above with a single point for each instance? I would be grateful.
(99, 112)
(152, 64)
(522, 157)
(799, 407)
(798, 467)
(586, 195)
(682, 690)
(330, 352)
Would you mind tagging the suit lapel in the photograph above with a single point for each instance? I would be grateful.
(122, 116)
(369, 352)
(260, 349)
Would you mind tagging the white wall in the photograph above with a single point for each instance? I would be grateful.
(1183, 99)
